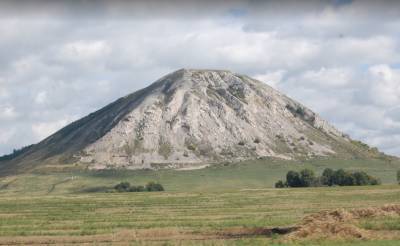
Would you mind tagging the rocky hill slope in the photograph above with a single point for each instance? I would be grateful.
(190, 118)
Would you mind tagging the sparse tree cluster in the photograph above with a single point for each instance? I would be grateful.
(329, 177)
(127, 187)
(343, 178)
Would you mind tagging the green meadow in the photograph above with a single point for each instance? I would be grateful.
(70, 207)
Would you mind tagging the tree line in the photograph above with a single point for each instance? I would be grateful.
(329, 177)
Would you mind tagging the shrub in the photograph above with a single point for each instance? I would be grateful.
(300, 111)
(165, 150)
(241, 143)
(280, 184)
(139, 188)
(126, 187)
(375, 181)
(361, 178)
(123, 187)
(191, 147)
(152, 186)
(257, 140)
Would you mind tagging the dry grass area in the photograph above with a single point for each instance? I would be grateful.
(342, 224)
(305, 216)
(332, 226)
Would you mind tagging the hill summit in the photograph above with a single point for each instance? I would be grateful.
(188, 118)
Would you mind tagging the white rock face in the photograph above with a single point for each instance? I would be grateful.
(192, 117)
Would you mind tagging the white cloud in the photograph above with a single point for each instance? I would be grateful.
(393, 114)
(271, 78)
(7, 112)
(5, 136)
(326, 77)
(60, 64)
(85, 51)
(41, 97)
(383, 85)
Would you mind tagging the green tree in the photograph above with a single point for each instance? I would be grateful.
(293, 179)
(327, 177)
(361, 178)
(349, 179)
(307, 178)
(339, 177)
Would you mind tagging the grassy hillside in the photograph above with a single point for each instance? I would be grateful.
(234, 176)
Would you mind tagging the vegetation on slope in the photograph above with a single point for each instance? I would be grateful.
(329, 177)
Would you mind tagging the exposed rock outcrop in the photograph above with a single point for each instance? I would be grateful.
(190, 118)
(196, 116)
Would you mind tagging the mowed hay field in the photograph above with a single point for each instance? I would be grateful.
(59, 209)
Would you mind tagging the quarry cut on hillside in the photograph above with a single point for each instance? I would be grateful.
(190, 118)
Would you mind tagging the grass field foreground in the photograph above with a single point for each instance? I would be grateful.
(42, 208)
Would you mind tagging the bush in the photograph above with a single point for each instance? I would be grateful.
(280, 184)
(123, 187)
(257, 140)
(300, 111)
(139, 188)
(127, 187)
(152, 186)
(361, 178)
(375, 181)
(191, 147)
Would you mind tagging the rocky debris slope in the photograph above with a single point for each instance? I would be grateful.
(190, 118)
(197, 116)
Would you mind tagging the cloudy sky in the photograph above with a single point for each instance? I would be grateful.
(59, 62)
